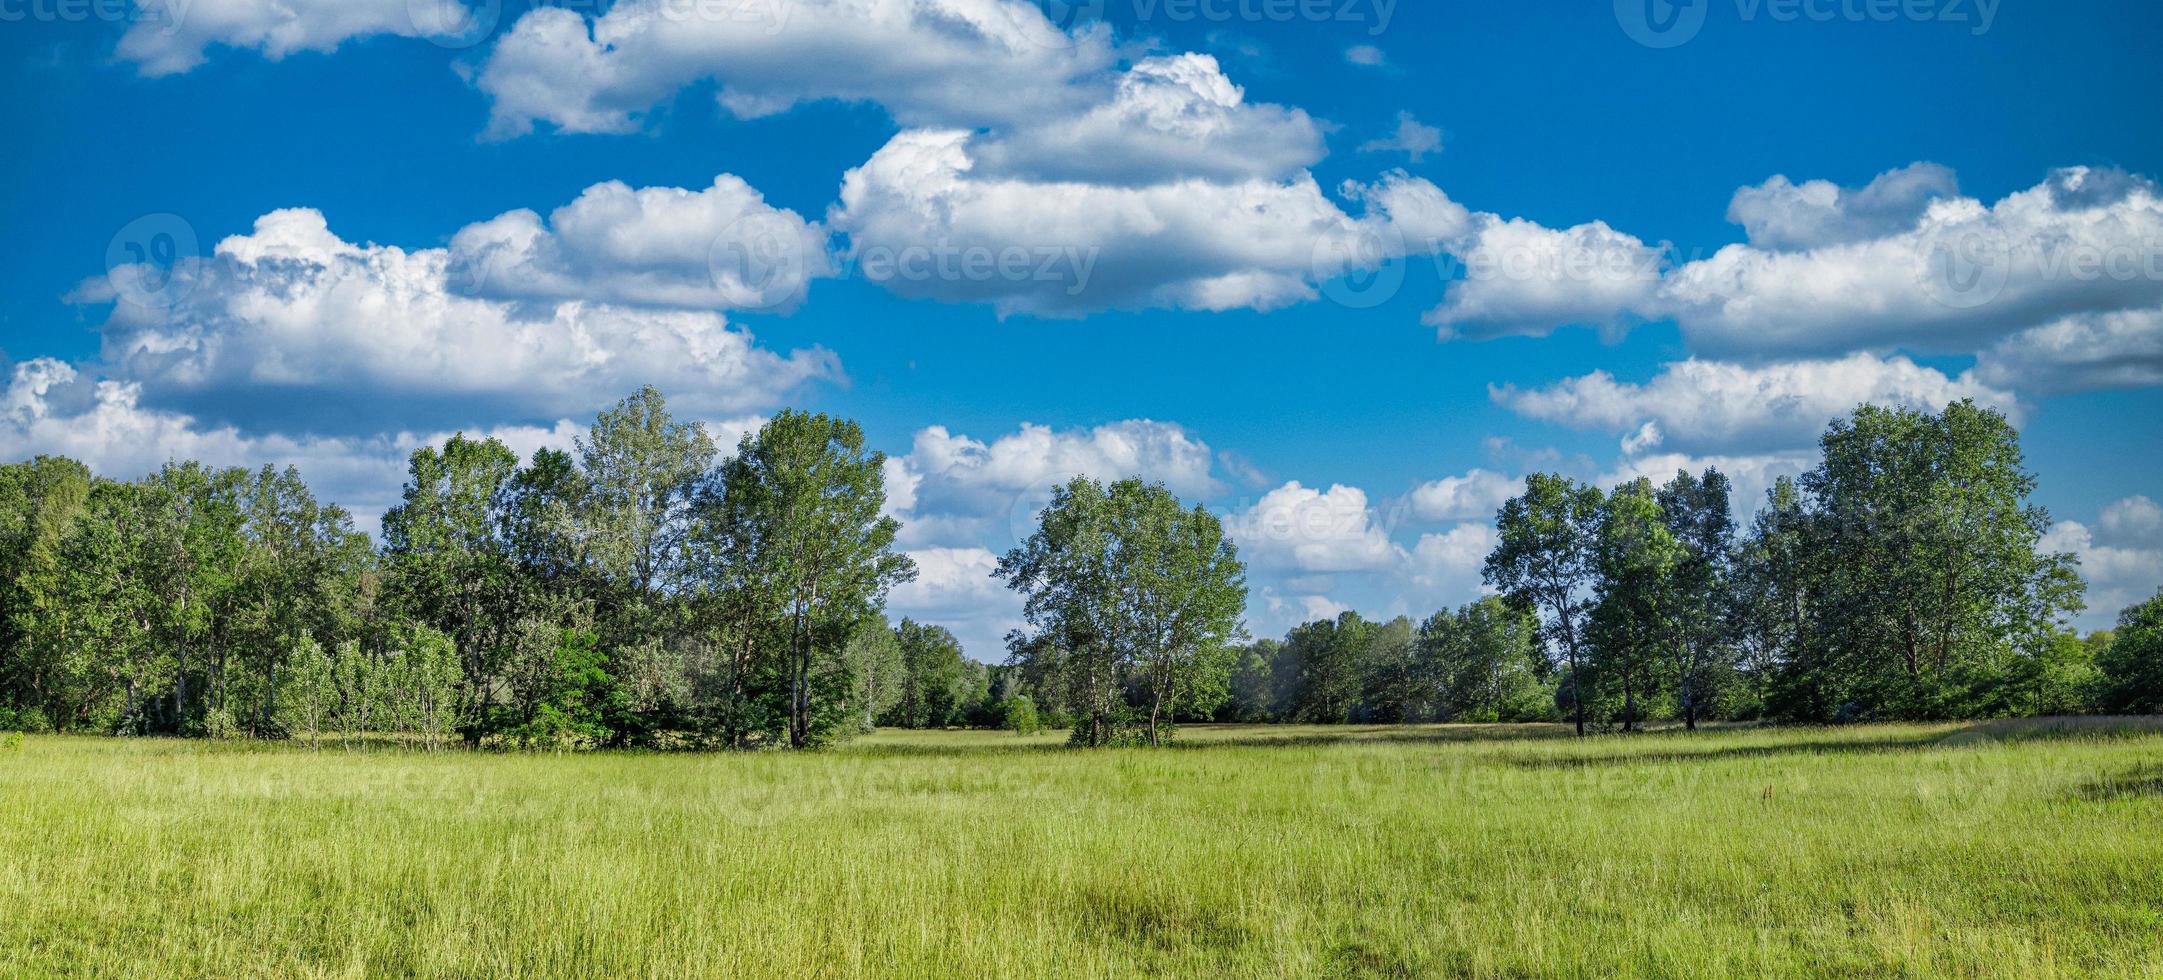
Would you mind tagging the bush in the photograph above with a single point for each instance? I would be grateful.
(1018, 714)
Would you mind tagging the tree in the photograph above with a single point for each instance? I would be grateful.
(1638, 612)
(933, 681)
(1701, 521)
(1330, 660)
(446, 562)
(1543, 561)
(805, 498)
(2132, 665)
(1482, 664)
(1123, 584)
(878, 671)
(1935, 578)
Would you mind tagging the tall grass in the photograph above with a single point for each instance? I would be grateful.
(1503, 851)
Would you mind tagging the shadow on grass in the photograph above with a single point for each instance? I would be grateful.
(2143, 782)
(1955, 737)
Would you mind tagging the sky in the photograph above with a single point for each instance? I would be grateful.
(1342, 271)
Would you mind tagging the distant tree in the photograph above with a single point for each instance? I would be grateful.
(878, 672)
(1701, 656)
(1331, 657)
(934, 684)
(1129, 591)
(1637, 617)
(2132, 665)
(1544, 562)
(1483, 663)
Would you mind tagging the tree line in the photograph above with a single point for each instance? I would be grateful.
(647, 589)
(1902, 578)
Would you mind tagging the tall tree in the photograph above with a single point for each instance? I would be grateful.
(1543, 562)
(809, 496)
(1129, 588)
(1640, 604)
(1702, 521)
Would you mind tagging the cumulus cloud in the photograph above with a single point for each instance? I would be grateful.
(1522, 278)
(1706, 406)
(291, 308)
(952, 489)
(2135, 520)
(173, 36)
(1411, 138)
(721, 247)
(2121, 557)
(954, 588)
(1303, 529)
(1781, 215)
(925, 224)
(1477, 494)
(52, 408)
(1448, 568)
(1901, 262)
(2084, 352)
(928, 62)
(1167, 118)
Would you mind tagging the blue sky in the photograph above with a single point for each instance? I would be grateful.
(394, 219)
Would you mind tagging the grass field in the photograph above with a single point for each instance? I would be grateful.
(1503, 851)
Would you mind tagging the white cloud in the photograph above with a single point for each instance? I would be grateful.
(172, 36)
(1313, 531)
(2083, 241)
(2135, 520)
(1522, 278)
(1781, 215)
(1366, 56)
(954, 588)
(1699, 406)
(1411, 138)
(924, 224)
(1167, 118)
(1449, 567)
(956, 490)
(928, 62)
(1477, 494)
(292, 308)
(51, 408)
(1899, 263)
(2121, 568)
(722, 248)
(2084, 352)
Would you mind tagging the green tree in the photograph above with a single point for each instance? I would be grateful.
(1935, 580)
(801, 510)
(1130, 591)
(1483, 663)
(1544, 562)
(2132, 665)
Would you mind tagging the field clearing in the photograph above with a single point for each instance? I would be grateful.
(1477, 850)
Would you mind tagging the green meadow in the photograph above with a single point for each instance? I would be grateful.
(2029, 850)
